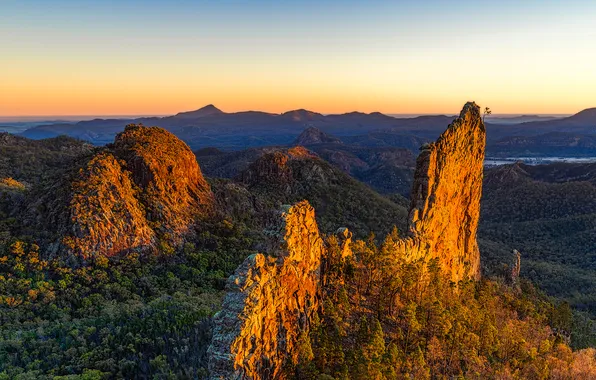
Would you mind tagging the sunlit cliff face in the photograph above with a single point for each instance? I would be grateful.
(271, 301)
(445, 199)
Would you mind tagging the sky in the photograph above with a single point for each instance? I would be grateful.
(149, 57)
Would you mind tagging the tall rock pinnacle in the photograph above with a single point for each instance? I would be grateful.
(445, 198)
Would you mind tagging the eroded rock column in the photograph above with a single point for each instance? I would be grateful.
(271, 300)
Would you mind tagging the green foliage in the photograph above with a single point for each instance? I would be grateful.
(130, 317)
(389, 319)
(552, 224)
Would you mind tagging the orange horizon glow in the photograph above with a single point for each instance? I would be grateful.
(400, 58)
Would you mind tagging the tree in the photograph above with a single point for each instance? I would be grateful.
(487, 111)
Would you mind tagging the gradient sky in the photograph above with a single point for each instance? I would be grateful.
(159, 57)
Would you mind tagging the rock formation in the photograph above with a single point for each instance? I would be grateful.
(107, 217)
(142, 192)
(445, 198)
(271, 299)
(173, 189)
(516, 268)
(270, 302)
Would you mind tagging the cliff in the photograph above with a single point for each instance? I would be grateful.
(271, 301)
(107, 217)
(445, 198)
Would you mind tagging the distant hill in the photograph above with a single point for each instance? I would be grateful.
(201, 112)
(519, 119)
(211, 127)
(547, 212)
(549, 144)
(387, 169)
(583, 122)
(312, 136)
(29, 161)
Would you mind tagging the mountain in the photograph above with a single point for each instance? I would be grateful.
(209, 126)
(289, 176)
(302, 116)
(583, 122)
(548, 144)
(518, 119)
(208, 110)
(388, 170)
(312, 135)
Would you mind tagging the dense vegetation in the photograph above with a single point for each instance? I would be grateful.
(137, 316)
(549, 214)
(387, 319)
(30, 161)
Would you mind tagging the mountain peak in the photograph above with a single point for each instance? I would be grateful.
(208, 110)
(143, 190)
(302, 115)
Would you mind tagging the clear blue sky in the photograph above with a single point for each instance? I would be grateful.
(156, 57)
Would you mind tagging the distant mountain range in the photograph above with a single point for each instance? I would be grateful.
(212, 127)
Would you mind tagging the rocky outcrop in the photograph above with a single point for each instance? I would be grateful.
(107, 217)
(270, 302)
(173, 189)
(516, 268)
(445, 199)
(144, 192)
(272, 299)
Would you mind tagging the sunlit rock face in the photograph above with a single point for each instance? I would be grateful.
(271, 300)
(445, 198)
(144, 190)
(173, 189)
(106, 216)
